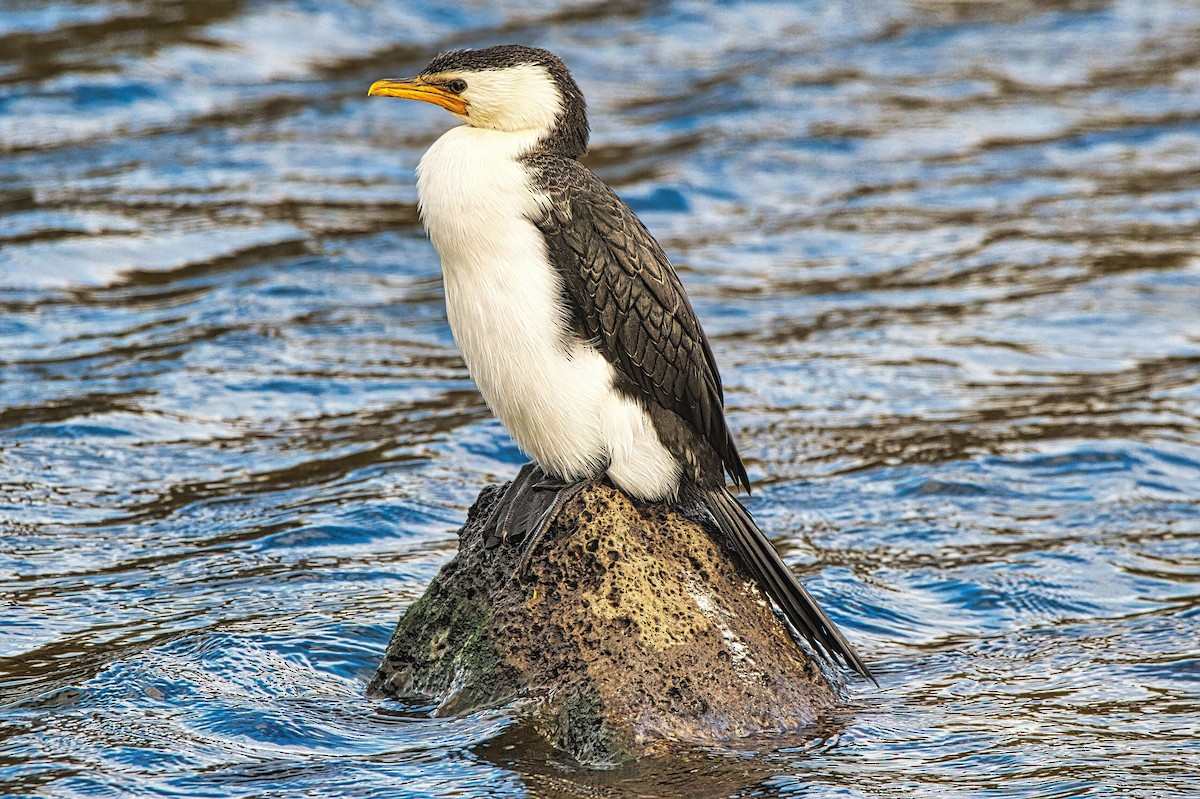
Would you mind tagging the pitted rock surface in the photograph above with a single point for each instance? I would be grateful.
(630, 626)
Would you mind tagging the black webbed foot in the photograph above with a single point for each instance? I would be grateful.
(562, 494)
(550, 484)
(527, 508)
(502, 524)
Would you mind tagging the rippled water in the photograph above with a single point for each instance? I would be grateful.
(947, 254)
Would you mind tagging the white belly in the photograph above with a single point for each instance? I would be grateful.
(554, 394)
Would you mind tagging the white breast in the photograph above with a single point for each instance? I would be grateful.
(504, 302)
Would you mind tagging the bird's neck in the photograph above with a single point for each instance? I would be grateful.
(474, 191)
(468, 152)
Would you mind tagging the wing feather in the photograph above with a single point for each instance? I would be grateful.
(627, 299)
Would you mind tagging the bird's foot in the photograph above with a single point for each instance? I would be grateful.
(501, 525)
(550, 484)
(563, 493)
(527, 508)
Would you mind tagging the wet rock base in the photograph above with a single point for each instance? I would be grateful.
(631, 627)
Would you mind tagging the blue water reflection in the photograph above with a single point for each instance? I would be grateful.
(946, 252)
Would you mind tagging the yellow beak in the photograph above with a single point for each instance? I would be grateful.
(417, 89)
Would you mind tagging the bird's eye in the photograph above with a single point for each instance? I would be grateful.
(458, 86)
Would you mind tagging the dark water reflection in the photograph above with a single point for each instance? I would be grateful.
(947, 255)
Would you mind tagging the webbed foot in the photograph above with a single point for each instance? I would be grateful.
(502, 525)
(562, 494)
(527, 508)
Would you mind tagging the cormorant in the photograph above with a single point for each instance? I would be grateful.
(570, 318)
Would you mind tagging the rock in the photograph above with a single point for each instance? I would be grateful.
(631, 627)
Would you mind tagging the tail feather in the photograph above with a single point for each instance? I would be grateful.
(774, 577)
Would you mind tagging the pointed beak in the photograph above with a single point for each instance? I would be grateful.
(417, 89)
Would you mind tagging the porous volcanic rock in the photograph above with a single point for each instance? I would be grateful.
(631, 626)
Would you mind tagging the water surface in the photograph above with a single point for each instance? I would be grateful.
(947, 255)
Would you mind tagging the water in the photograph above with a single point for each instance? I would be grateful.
(946, 252)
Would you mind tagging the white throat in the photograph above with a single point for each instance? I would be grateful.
(472, 188)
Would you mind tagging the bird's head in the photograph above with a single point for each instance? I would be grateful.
(509, 88)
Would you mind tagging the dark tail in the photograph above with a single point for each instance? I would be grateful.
(774, 577)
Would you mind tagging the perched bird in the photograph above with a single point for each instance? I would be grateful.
(570, 318)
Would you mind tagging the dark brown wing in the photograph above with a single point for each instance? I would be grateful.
(628, 300)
